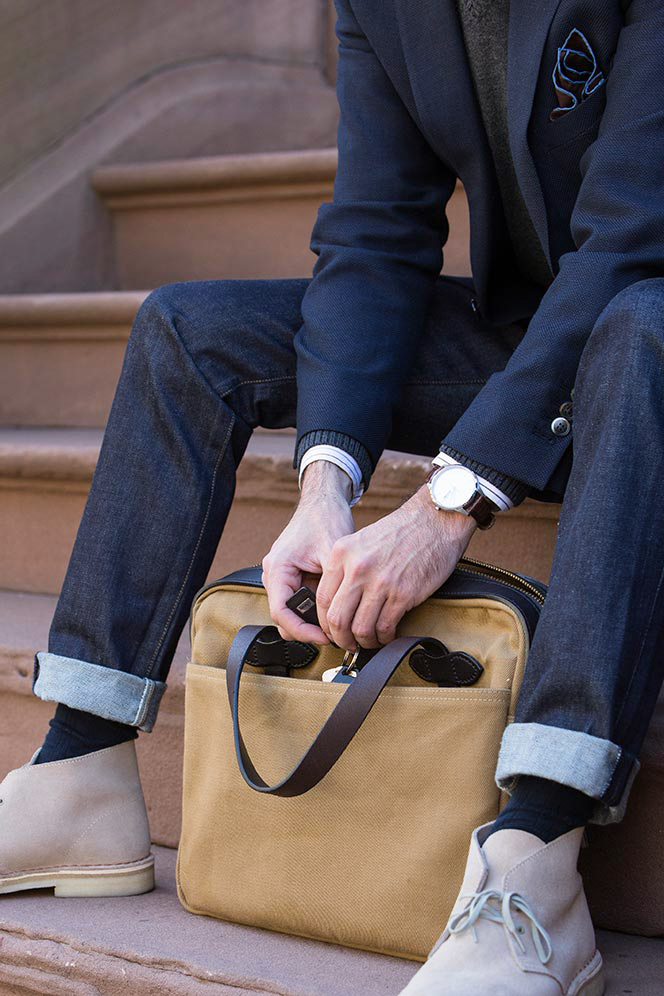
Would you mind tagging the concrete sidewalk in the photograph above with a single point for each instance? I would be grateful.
(148, 945)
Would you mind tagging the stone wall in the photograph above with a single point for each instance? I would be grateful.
(61, 63)
(90, 82)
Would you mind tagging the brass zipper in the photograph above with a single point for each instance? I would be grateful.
(501, 574)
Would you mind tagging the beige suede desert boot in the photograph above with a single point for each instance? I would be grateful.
(520, 926)
(78, 826)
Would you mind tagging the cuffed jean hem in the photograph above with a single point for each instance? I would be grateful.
(102, 691)
(596, 767)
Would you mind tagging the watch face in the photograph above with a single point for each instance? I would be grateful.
(452, 487)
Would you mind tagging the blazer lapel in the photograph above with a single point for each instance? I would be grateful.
(529, 24)
(441, 82)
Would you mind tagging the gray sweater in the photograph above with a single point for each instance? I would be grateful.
(484, 24)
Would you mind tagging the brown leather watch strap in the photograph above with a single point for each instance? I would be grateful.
(339, 729)
(483, 510)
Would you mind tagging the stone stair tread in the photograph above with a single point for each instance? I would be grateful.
(73, 308)
(211, 171)
(72, 450)
(25, 450)
(149, 943)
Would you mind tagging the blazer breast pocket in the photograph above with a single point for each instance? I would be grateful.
(575, 126)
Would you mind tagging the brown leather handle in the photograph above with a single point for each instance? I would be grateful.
(341, 726)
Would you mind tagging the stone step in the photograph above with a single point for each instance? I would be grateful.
(61, 356)
(149, 944)
(244, 215)
(45, 475)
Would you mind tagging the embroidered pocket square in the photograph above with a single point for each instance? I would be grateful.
(576, 75)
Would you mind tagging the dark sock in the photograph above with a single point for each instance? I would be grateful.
(73, 733)
(544, 808)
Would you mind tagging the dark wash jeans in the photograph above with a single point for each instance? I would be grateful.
(208, 361)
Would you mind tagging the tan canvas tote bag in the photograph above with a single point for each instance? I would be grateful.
(367, 850)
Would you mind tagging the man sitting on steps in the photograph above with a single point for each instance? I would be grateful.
(551, 115)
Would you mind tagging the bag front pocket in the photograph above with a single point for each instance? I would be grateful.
(373, 856)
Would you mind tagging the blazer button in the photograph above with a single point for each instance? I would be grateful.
(566, 409)
(560, 427)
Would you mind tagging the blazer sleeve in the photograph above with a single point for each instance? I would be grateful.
(379, 246)
(618, 230)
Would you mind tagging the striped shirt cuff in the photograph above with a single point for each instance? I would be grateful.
(330, 437)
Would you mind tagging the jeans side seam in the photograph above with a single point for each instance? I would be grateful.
(141, 711)
(221, 454)
(174, 327)
(607, 786)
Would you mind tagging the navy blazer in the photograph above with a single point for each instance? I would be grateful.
(409, 125)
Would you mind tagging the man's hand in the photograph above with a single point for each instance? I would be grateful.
(300, 554)
(372, 577)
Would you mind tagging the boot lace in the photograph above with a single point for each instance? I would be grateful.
(499, 907)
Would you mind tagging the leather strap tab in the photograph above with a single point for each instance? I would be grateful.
(279, 656)
(449, 669)
(341, 726)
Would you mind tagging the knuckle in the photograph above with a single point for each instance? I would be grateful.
(337, 552)
(386, 625)
(341, 552)
(357, 567)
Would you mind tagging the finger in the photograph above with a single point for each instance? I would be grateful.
(389, 618)
(366, 617)
(341, 613)
(325, 592)
(279, 588)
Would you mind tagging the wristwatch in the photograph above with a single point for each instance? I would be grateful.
(455, 488)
